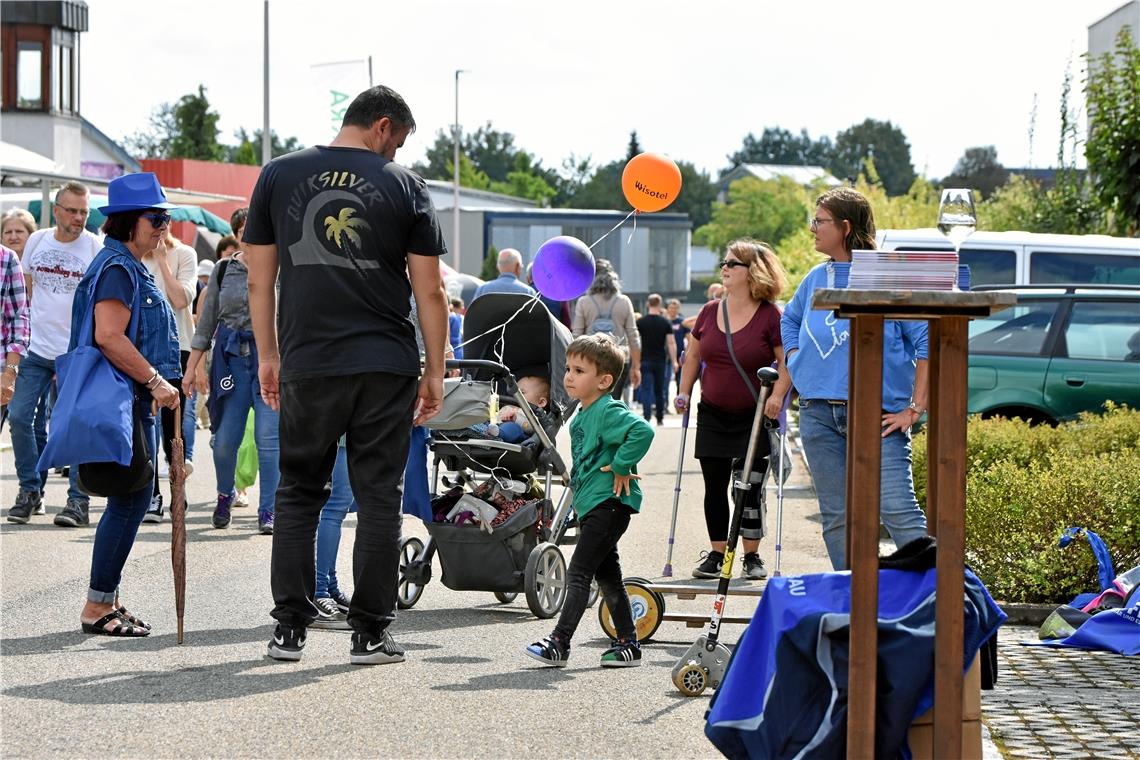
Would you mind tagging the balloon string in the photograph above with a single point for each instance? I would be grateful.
(502, 328)
(623, 221)
(636, 214)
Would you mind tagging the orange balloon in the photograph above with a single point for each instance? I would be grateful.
(651, 181)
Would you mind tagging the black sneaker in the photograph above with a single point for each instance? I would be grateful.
(710, 565)
(73, 515)
(27, 502)
(375, 649)
(154, 512)
(286, 643)
(221, 516)
(329, 616)
(550, 651)
(342, 601)
(622, 654)
(754, 567)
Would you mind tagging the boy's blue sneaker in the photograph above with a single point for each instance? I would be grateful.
(550, 651)
(622, 654)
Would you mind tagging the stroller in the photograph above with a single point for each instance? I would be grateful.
(522, 553)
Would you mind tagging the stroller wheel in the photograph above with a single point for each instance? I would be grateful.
(505, 597)
(408, 592)
(646, 605)
(592, 599)
(545, 580)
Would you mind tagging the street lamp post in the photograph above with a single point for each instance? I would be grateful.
(455, 184)
(266, 134)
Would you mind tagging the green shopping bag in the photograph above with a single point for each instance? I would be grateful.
(246, 472)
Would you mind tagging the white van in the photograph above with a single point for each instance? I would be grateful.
(1030, 258)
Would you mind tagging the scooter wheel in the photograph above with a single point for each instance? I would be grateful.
(691, 680)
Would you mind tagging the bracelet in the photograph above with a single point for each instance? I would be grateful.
(14, 367)
(154, 381)
(915, 408)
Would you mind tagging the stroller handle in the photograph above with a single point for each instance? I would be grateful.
(490, 366)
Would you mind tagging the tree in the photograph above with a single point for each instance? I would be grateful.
(634, 147)
(602, 190)
(768, 210)
(154, 141)
(1112, 91)
(779, 146)
(196, 129)
(880, 141)
(248, 148)
(978, 168)
(698, 192)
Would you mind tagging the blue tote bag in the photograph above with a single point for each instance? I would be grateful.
(93, 419)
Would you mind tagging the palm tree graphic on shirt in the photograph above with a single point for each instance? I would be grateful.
(343, 227)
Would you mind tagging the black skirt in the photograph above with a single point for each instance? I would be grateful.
(723, 433)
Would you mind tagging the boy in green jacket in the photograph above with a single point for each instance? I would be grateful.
(607, 441)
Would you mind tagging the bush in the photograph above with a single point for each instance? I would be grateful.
(1024, 485)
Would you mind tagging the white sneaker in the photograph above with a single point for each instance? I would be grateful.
(189, 466)
(241, 500)
(163, 469)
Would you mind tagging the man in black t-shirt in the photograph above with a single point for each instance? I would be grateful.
(355, 237)
(658, 357)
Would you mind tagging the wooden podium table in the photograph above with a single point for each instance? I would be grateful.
(948, 314)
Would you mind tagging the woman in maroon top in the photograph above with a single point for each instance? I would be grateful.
(753, 279)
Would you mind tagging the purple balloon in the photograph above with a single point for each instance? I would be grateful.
(563, 268)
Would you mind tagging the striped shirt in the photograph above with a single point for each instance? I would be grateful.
(15, 331)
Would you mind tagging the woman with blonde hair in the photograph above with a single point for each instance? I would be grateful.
(732, 338)
(16, 227)
(174, 266)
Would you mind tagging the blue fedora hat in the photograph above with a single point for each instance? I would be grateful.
(133, 192)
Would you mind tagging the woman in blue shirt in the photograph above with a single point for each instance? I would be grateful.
(816, 351)
(115, 285)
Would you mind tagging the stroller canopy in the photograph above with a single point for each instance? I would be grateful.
(522, 334)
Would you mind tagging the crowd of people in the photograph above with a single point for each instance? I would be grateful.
(336, 346)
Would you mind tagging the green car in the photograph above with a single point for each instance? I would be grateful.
(1060, 351)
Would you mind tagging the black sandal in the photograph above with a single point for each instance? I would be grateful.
(123, 628)
(137, 622)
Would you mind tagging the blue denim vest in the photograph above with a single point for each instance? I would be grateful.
(157, 338)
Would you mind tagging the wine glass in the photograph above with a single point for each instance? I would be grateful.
(957, 217)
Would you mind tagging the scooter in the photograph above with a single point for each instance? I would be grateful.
(706, 661)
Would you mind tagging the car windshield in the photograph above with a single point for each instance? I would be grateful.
(1020, 329)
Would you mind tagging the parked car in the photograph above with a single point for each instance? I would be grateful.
(1059, 351)
(1030, 258)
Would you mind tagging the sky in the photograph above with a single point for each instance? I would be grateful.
(575, 78)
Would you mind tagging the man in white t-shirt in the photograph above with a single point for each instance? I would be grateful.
(55, 260)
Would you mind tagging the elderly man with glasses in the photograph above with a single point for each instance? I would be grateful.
(55, 260)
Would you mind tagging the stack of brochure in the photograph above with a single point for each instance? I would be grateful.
(903, 270)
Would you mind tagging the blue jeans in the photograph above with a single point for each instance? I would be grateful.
(654, 387)
(823, 427)
(246, 395)
(118, 526)
(340, 503)
(189, 424)
(27, 417)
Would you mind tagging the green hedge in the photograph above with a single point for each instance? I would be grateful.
(1024, 485)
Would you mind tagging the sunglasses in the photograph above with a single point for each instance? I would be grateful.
(157, 220)
(730, 263)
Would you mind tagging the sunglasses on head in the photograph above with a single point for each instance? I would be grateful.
(730, 263)
(157, 219)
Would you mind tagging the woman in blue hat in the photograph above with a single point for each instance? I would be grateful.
(116, 288)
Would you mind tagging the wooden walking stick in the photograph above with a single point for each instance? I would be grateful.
(178, 518)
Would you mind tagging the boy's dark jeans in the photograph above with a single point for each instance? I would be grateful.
(596, 556)
(375, 410)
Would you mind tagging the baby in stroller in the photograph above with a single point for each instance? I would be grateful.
(512, 426)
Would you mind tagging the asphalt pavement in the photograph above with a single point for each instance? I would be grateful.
(466, 689)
